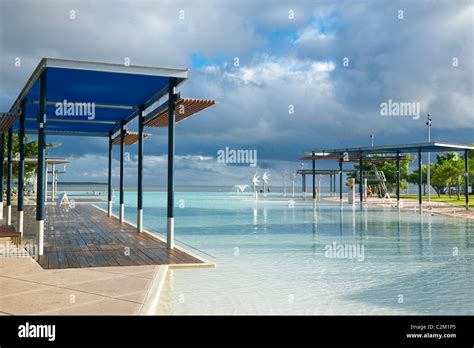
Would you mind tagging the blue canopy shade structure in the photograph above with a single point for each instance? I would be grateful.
(86, 98)
(68, 97)
(393, 149)
(379, 152)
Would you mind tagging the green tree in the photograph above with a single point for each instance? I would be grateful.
(441, 177)
(31, 150)
(438, 179)
(471, 168)
(413, 176)
(448, 172)
(458, 174)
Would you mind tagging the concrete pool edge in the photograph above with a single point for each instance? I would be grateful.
(152, 297)
(410, 205)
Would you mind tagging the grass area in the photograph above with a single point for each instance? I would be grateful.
(445, 199)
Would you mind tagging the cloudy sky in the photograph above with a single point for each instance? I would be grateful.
(288, 76)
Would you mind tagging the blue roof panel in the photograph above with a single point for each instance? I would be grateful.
(100, 114)
(115, 90)
(67, 128)
(392, 149)
(98, 87)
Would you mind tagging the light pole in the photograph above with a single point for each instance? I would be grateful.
(428, 123)
(303, 181)
(293, 180)
(319, 188)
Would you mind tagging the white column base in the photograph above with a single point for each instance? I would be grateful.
(122, 212)
(40, 236)
(170, 233)
(20, 222)
(109, 208)
(9, 214)
(1, 210)
(140, 220)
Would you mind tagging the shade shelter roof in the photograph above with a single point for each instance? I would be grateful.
(129, 138)
(115, 91)
(356, 158)
(49, 160)
(323, 171)
(53, 160)
(185, 107)
(393, 149)
(69, 97)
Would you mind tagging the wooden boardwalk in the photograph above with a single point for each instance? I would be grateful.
(85, 236)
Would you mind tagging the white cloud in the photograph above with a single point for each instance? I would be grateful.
(270, 70)
(312, 35)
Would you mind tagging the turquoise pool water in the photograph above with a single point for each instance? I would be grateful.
(276, 258)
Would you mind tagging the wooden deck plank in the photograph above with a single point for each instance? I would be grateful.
(62, 261)
(82, 259)
(98, 257)
(72, 260)
(53, 260)
(108, 258)
(86, 237)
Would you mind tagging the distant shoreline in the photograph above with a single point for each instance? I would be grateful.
(102, 187)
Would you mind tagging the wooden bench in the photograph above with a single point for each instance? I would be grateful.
(10, 231)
